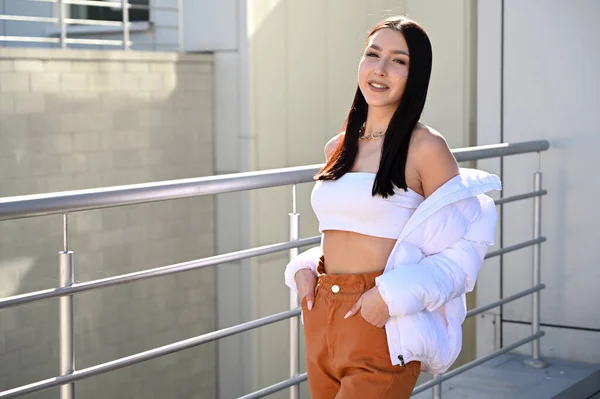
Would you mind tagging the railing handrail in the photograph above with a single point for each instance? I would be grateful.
(123, 24)
(77, 288)
(72, 201)
(80, 200)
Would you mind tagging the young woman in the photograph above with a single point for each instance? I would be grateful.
(405, 231)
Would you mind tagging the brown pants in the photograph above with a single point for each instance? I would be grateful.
(349, 358)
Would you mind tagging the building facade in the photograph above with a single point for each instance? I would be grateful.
(282, 76)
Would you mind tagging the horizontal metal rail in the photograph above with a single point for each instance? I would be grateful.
(116, 4)
(189, 343)
(497, 150)
(192, 265)
(186, 266)
(492, 305)
(148, 355)
(63, 40)
(152, 45)
(519, 197)
(97, 3)
(111, 4)
(29, 39)
(72, 201)
(156, 8)
(78, 288)
(94, 22)
(103, 42)
(515, 247)
(477, 362)
(24, 18)
(280, 386)
(70, 21)
(42, 1)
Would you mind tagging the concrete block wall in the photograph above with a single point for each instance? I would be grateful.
(85, 119)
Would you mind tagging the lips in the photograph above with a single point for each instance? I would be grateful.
(377, 86)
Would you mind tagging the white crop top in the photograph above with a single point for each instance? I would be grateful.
(347, 204)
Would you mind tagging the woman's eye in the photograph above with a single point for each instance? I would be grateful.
(371, 55)
(401, 62)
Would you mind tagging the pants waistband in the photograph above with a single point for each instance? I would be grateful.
(345, 287)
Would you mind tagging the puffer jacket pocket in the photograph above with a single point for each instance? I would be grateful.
(426, 336)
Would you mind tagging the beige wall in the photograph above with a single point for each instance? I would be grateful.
(290, 83)
(87, 119)
(521, 99)
(451, 103)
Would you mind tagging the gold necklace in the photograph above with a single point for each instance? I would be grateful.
(370, 136)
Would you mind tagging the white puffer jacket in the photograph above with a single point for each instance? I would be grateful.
(432, 265)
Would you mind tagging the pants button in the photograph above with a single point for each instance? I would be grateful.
(335, 289)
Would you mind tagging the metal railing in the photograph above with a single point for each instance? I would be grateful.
(82, 200)
(62, 18)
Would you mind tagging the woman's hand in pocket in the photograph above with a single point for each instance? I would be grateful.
(372, 308)
(306, 281)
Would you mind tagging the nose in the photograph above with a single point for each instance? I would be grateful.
(380, 68)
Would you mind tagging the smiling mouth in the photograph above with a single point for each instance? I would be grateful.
(378, 86)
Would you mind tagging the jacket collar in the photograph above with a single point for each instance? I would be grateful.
(468, 183)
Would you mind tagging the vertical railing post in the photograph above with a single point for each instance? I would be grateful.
(294, 235)
(180, 25)
(63, 25)
(437, 388)
(67, 353)
(152, 20)
(125, 5)
(535, 360)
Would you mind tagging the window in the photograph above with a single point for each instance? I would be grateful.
(112, 13)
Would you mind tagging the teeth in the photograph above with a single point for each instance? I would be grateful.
(378, 86)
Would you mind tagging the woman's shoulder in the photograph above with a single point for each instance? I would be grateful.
(332, 143)
(426, 139)
(432, 158)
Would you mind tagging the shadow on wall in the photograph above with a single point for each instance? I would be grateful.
(86, 123)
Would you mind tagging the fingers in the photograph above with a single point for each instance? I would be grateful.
(310, 298)
(306, 283)
(355, 308)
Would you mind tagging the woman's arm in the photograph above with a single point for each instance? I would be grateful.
(306, 260)
(443, 276)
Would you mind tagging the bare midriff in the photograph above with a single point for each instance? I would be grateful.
(353, 253)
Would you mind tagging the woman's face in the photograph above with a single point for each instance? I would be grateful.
(383, 69)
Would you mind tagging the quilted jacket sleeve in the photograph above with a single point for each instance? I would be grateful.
(306, 260)
(443, 276)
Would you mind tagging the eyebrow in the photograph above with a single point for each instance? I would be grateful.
(376, 47)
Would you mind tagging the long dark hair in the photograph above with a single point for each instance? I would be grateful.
(397, 138)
